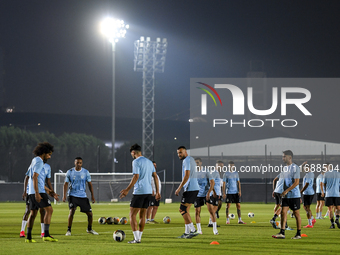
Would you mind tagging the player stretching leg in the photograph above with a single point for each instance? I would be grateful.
(190, 185)
(308, 194)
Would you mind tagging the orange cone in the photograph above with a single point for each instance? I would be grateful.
(214, 242)
(303, 235)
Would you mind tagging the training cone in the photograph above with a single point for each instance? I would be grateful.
(303, 235)
(214, 242)
(253, 222)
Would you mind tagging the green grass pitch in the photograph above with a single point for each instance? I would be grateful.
(252, 238)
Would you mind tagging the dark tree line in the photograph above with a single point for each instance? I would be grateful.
(16, 146)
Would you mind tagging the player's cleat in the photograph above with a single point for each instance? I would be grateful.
(325, 217)
(337, 223)
(313, 222)
(318, 218)
(22, 234)
(308, 226)
(92, 232)
(227, 222)
(216, 233)
(210, 225)
(68, 233)
(49, 239)
(193, 233)
(30, 241)
(42, 235)
(292, 215)
(135, 241)
(273, 223)
(241, 222)
(200, 232)
(289, 228)
(147, 221)
(279, 236)
(185, 236)
(155, 222)
(296, 237)
(332, 226)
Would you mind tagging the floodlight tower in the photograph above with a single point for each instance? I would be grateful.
(113, 29)
(149, 58)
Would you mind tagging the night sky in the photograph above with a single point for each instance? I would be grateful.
(56, 60)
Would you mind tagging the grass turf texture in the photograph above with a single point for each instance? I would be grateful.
(252, 238)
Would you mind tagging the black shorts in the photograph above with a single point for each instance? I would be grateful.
(199, 201)
(233, 198)
(82, 202)
(153, 201)
(329, 201)
(189, 197)
(140, 201)
(27, 199)
(308, 199)
(213, 200)
(292, 203)
(319, 197)
(44, 202)
(278, 198)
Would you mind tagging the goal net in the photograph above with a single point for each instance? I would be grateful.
(106, 186)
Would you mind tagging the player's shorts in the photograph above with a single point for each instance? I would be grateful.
(308, 199)
(140, 201)
(292, 203)
(27, 199)
(278, 198)
(153, 201)
(213, 200)
(319, 197)
(82, 202)
(329, 201)
(44, 202)
(233, 198)
(199, 201)
(189, 197)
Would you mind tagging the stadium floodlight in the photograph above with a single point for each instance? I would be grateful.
(149, 58)
(113, 30)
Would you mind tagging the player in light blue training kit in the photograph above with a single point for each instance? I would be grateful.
(203, 183)
(331, 185)
(232, 191)
(143, 173)
(191, 188)
(308, 194)
(291, 194)
(214, 193)
(75, 189)
(37, 194)
(320, 201)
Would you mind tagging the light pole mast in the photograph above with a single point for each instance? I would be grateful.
(149, 58)
(113, 29)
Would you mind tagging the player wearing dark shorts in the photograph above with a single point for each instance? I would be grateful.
(154, 203)
(37, 194)
(308, 194)
(191, 188)
(320, 200)
(75, 189)
(143, 173)
(291, 194)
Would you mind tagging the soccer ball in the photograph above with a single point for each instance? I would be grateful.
(251, 215)
(166, 219)
(109, 220)
(123, 221)
(119, 235)
(102, 220)
(232, 216)
(115, 220)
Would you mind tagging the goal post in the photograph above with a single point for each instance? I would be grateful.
(106, 186)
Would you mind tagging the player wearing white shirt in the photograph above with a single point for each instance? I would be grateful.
(75, 189)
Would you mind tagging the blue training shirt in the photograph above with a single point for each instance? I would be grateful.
(231, 179)
(332, 180)
(214, 175)
(144, 167)
(189, 164)
(318, 181)
(203, 183)
(37, 166)
(290, 173)
(77, 182)
(308, 178)
(279, 184)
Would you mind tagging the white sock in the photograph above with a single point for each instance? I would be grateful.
(42, 227)
(23, 225)
(192, 227)
(198, 225)
(320, 214)
(140, 235)
(326, 213)
(214, 227)
(239, 218)
(147, 219)
(210, 221)
(136, 234)
(310, 222)
(312, 218)
(187, 229)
